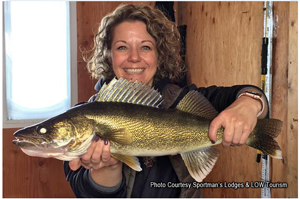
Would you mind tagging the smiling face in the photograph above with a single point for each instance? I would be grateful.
(133, 52)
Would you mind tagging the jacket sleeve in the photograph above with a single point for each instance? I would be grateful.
(220, 97)
(83, 188)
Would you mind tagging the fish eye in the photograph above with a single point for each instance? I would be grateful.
(42, 130)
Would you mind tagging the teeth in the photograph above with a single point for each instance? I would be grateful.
(134, 71)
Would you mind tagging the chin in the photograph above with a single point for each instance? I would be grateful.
(137, 78)
(133, 78)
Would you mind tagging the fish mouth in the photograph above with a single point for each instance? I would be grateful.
(29, 147)
(133, 71)
(29, 142)
(23, 143)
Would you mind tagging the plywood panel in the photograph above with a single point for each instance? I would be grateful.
(223, 48)
(292, 118)
(30, 177)
(284, 99)
(224, 40)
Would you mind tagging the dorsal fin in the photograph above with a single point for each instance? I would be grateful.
(195, 103)
(125, 91)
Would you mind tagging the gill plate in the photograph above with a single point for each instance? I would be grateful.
(77, 152)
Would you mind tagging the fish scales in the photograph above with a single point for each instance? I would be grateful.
(152, 129)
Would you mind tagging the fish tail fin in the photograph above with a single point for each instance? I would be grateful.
(262, 137)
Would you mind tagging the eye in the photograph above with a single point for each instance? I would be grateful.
(121, 48)
(42, 130)
(146, 48)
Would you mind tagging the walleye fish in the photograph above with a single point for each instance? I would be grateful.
(128, 114)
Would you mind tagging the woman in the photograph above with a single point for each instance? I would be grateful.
(138, 42)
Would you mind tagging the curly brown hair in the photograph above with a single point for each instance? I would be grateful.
(164, 32)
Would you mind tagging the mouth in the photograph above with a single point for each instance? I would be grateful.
(133, 71)
(29, 147)
(24, 142)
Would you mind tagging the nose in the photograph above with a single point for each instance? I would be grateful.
(134, 56)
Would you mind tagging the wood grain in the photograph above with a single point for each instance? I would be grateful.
(31, 177)
(284, 171)
(224, 41)
(292, 106)
(224, 48)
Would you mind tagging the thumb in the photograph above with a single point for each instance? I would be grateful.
(75, 164)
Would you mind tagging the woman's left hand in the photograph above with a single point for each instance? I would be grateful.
(238, 120)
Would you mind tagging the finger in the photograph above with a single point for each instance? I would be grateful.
(246, 132)
(75, 164)
(96, 156)
(87, 166)
(113, 161)
(106, 152)
(228, 135)
(213, 129)
(86, 158)
(238, 132)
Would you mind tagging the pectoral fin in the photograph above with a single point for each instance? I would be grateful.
(131, 161)
(200, 162)
(121, 136)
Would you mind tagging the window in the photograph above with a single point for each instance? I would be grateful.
(40, 60)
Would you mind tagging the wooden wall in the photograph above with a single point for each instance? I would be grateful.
(30, 177)
(285, 95)
(223, 48)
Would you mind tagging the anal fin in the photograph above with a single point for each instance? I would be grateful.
(200, 162)
(131, 161)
